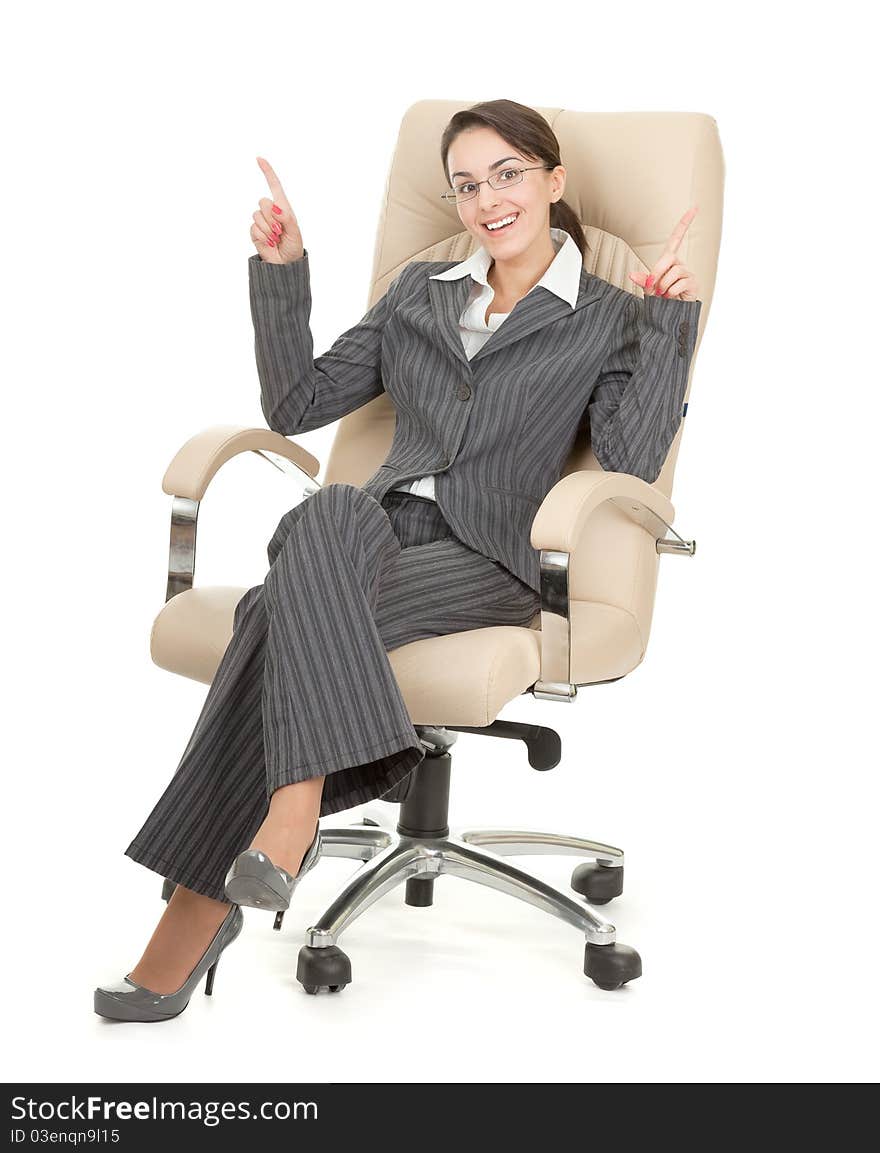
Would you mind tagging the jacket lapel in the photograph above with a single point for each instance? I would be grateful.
(537, 308)
(448, 298)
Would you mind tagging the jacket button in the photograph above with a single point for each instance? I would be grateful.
(464, 391)
(443, 461)
(683, 327)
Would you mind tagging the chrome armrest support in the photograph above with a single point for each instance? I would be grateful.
(652, 522)
(561, 520)
(182, 549)
(555, 682)
(290, 468)
(193, 467)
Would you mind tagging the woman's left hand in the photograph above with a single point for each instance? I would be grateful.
(669, 277)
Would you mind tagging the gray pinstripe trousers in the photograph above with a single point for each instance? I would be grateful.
(305, 687)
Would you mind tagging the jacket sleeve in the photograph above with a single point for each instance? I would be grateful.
(636, 405)
(297, 392)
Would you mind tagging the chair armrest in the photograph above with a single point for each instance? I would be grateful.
(194, 465)
(191, 471)
(556, 531)
(560, 520)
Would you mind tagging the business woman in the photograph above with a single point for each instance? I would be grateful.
(304, 716)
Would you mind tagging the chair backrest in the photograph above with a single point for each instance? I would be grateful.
(629, 176)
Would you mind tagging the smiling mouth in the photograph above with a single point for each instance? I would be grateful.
(503, 228)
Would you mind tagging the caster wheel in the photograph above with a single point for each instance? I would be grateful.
(598, 883)
(323, 968)
(610, 966)
(168, 888)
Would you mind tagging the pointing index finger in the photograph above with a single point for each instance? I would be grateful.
(680, 229)
(272, 180)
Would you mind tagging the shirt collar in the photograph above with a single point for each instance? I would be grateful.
(563, 277)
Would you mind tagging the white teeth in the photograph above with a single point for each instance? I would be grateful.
(502, 223)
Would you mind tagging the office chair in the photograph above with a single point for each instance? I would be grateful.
(600, 535)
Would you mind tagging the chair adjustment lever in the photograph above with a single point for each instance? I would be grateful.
(544, 745)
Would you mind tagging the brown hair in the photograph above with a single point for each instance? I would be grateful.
(526, 130)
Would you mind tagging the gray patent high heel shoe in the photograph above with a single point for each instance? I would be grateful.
(128, 1001)
(254, 881)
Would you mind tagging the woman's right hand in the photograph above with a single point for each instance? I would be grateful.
(288, 245)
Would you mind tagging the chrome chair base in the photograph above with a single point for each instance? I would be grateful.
(420, 848)
(390, 858)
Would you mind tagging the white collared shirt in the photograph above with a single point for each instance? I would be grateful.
(563, 278)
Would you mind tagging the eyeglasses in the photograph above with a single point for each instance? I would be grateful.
(467, 190)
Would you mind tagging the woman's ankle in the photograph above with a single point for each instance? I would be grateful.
(184, 931)
(297, 803)
(199, 903)
(285, 843)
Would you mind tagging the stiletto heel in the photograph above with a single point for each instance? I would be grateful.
(128, 1001)
(254, 881)
(209, 980)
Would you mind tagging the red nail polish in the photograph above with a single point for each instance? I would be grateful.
(649, 282)
(276, 209)
(270, 241)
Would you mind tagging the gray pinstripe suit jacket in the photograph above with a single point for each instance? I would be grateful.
(496, 430)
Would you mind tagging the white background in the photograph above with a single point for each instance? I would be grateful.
(736, 766)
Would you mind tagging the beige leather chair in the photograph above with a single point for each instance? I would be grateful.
(600, 534)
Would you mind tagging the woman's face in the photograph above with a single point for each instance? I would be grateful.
(475, 154)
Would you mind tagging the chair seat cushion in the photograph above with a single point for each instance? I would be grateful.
(461, 678)
(192, 630)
